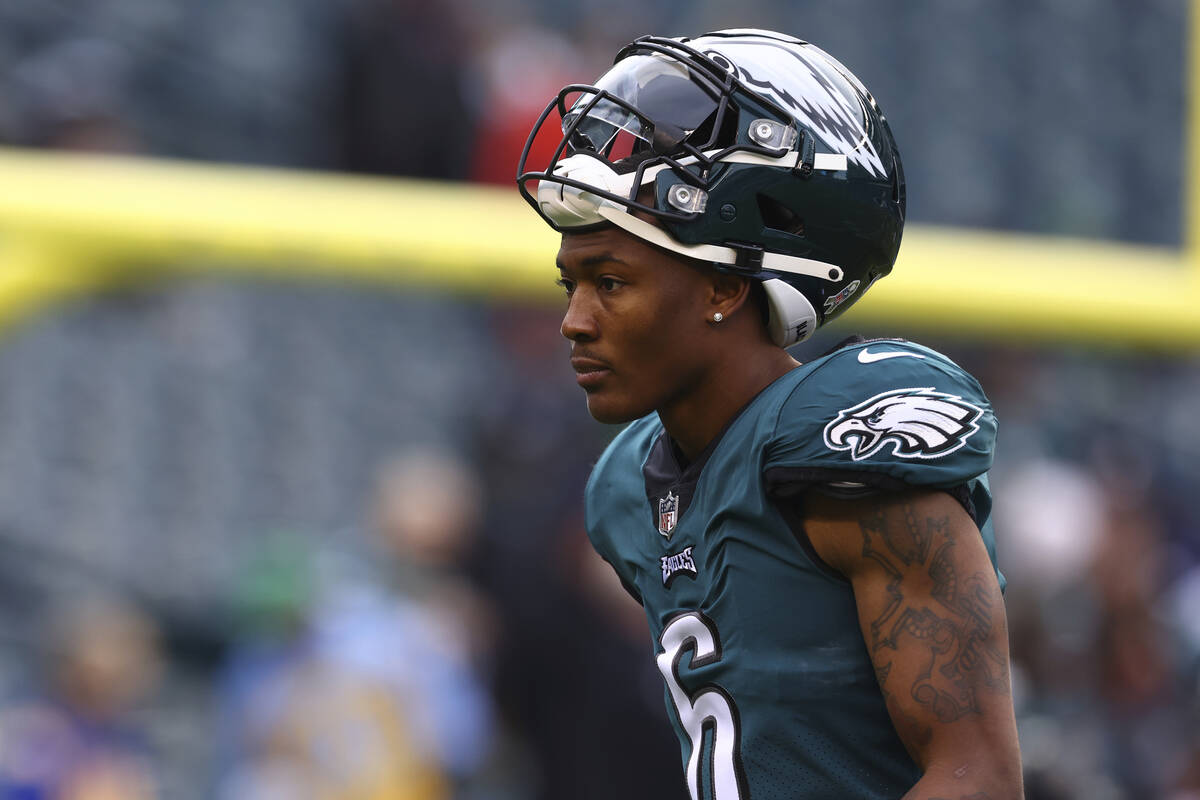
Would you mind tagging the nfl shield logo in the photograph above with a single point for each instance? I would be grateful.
(668, 509)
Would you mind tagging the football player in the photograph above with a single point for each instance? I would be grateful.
(811, 542)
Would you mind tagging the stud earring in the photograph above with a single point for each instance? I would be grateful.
(717, 317)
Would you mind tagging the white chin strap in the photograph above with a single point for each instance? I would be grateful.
(792, 317)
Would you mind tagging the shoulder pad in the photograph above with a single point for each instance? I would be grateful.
(885, 409)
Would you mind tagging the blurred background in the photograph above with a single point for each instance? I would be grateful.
(272, 533)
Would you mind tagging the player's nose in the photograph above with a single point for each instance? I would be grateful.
(579, 323)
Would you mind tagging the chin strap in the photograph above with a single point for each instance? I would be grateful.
(718, 254)
(571, 206)
(792, 317)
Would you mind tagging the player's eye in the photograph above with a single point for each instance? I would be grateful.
(608, 284)
(568, 286)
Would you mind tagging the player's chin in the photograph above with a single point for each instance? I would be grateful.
(613, 409)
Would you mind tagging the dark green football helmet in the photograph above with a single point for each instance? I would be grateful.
(764, 156)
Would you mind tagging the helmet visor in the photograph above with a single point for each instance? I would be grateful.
(645, 105)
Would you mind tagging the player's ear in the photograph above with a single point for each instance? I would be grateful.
(729, 294)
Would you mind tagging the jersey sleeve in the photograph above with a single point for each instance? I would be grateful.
(884, 415)
(601, 536)
(612, 494)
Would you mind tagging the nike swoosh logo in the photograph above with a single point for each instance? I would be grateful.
(865, 356)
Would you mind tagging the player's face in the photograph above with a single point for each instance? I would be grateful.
(636, 318)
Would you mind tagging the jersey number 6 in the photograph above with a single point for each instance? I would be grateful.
(709, 708)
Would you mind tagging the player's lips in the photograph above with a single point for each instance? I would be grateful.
(589, 372)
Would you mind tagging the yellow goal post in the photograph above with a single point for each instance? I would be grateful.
(77, 223)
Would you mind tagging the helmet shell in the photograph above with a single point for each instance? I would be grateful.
(830, 190)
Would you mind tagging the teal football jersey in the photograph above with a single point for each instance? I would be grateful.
(768, 681)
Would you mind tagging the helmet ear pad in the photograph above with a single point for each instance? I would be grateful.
(792, 318)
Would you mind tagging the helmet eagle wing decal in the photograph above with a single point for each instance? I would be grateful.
(798, 82)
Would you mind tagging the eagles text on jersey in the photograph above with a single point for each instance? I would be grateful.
(768, 681)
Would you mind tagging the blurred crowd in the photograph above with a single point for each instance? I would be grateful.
(1046, 107)
(278, 542)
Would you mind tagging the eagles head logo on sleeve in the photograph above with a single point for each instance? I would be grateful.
(916, 423)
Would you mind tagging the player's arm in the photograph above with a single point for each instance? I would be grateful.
(933, 620)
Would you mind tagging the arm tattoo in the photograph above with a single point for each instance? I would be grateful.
(952, 632)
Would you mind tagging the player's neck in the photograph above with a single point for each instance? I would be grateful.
(698, 416)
